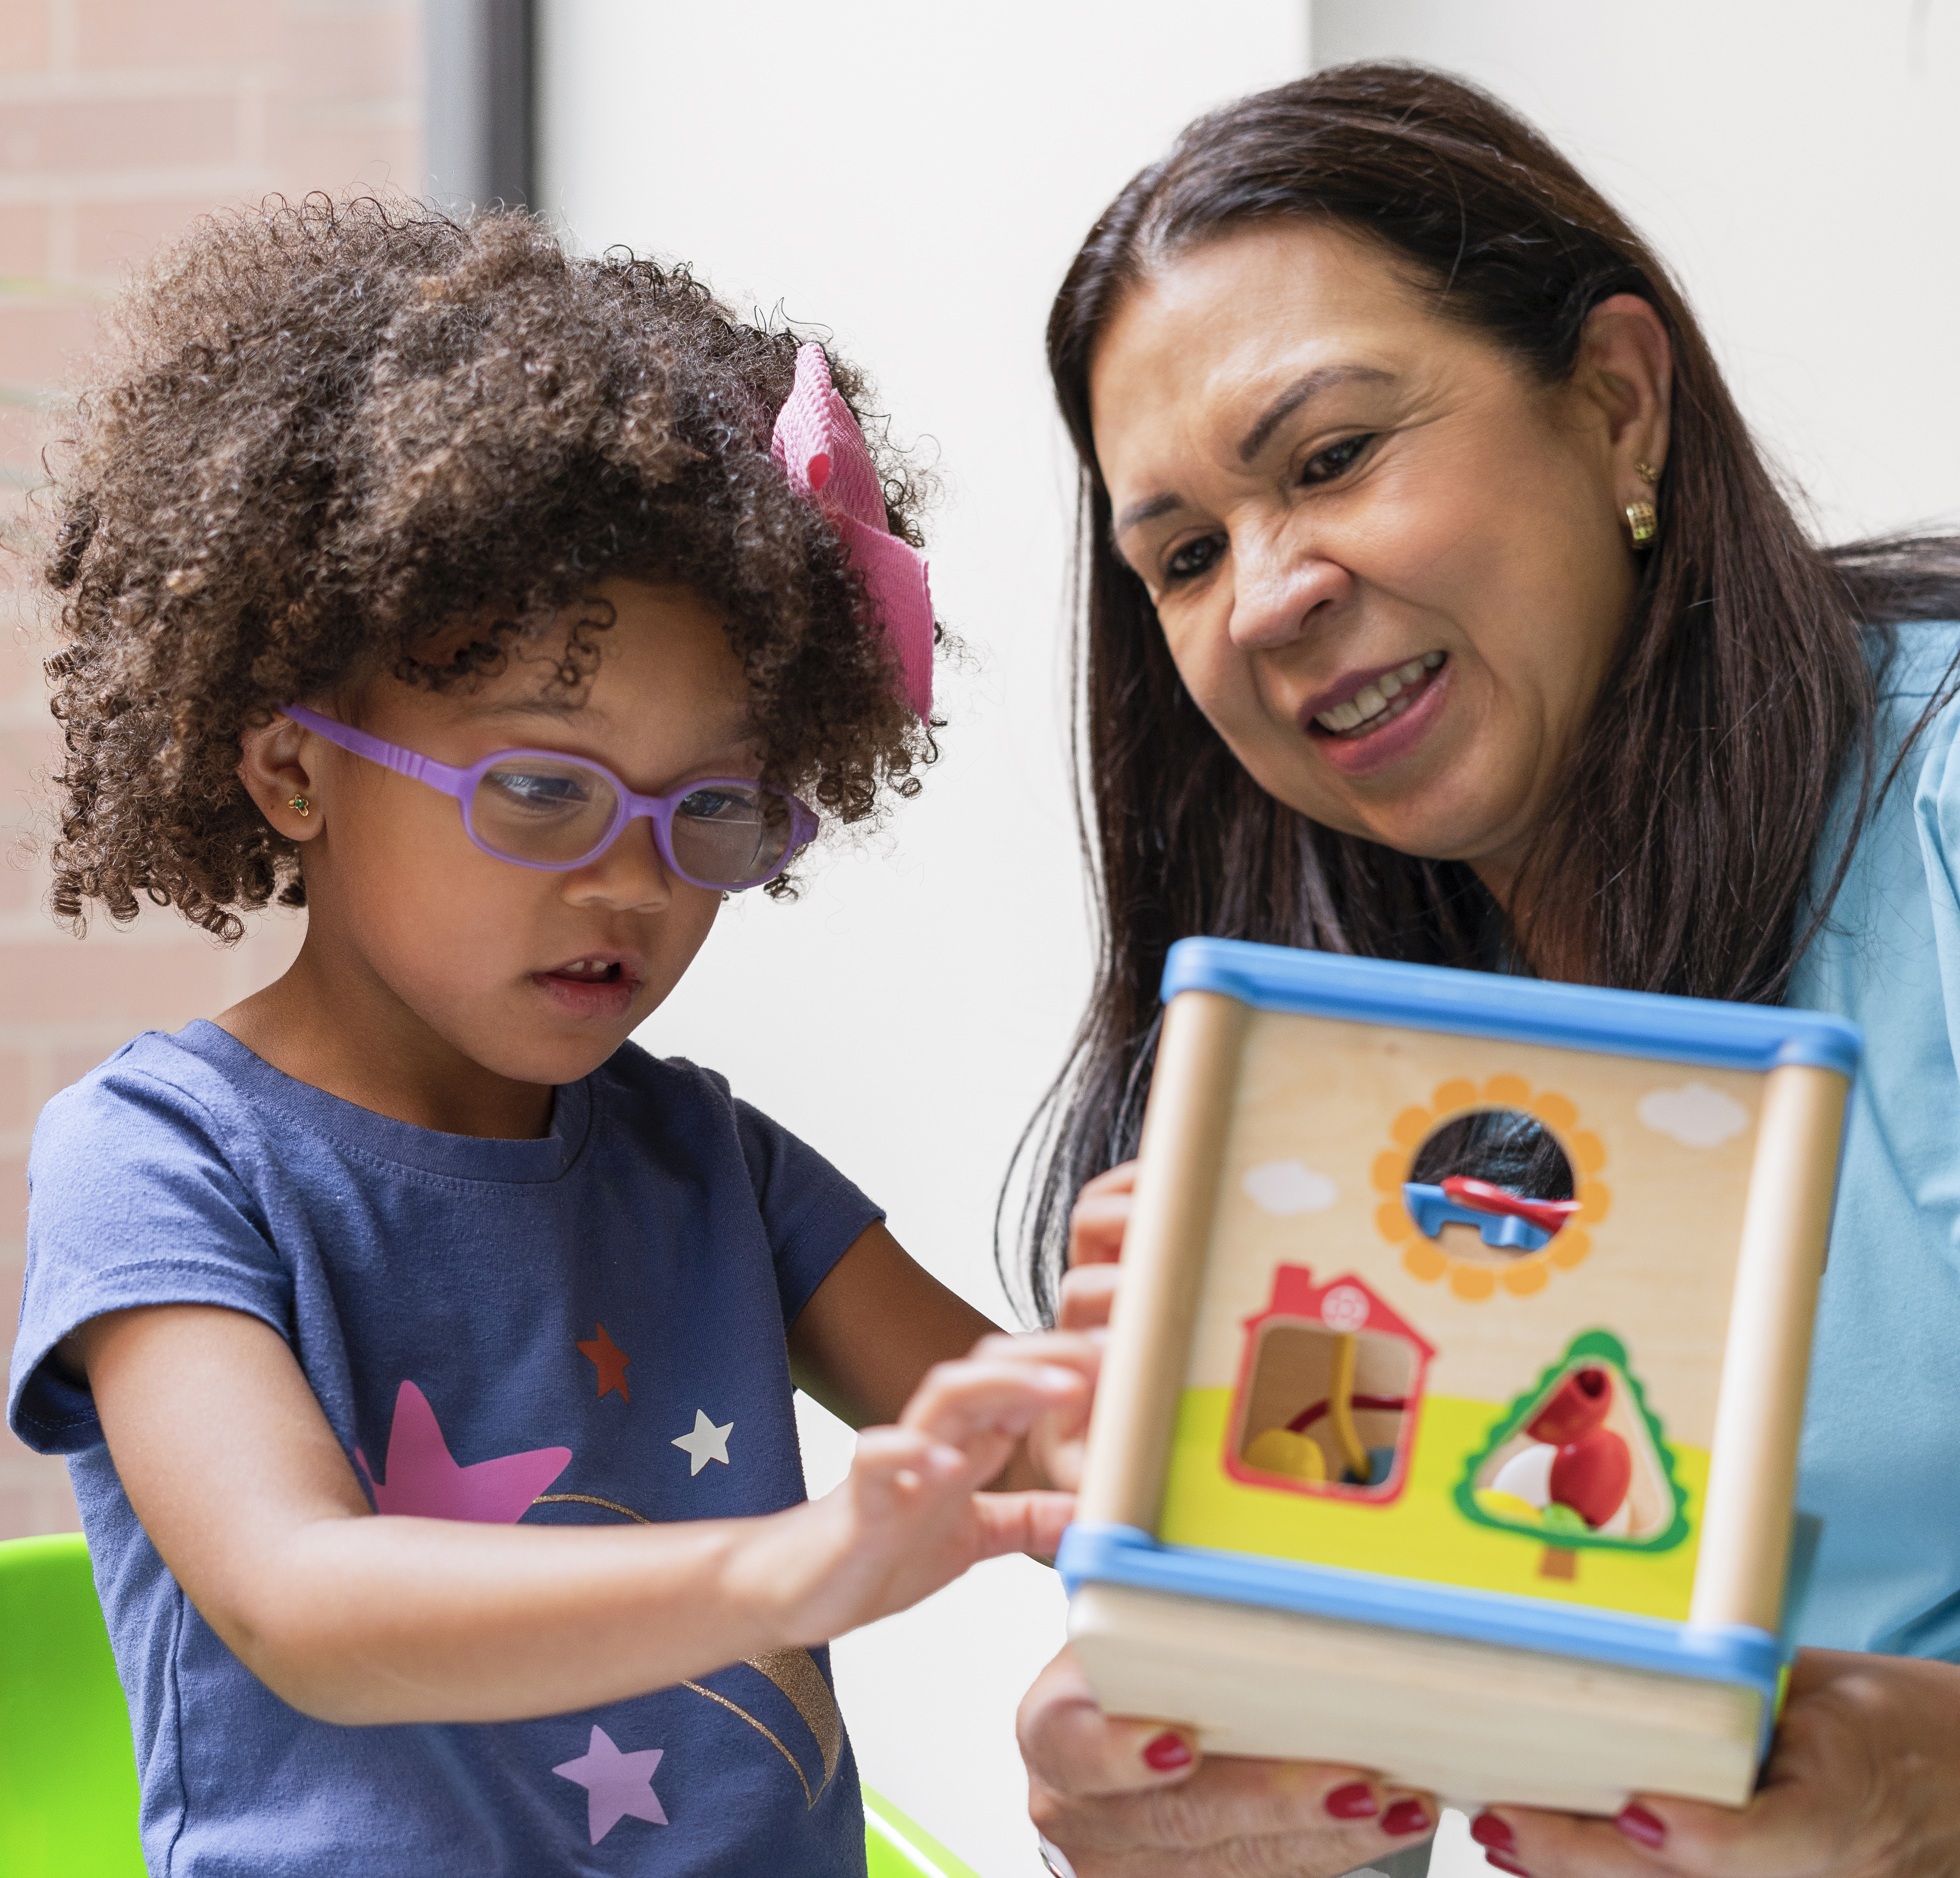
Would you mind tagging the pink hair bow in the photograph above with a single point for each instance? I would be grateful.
(819, 445)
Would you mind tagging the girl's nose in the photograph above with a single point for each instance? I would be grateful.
(631, 876)
(1277, 586)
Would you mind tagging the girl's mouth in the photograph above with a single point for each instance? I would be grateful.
(588, 987)
(589, 971)
(1379, 700)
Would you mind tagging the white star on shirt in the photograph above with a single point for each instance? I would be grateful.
(706, 1443)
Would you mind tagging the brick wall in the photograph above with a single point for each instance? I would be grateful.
(120, 121)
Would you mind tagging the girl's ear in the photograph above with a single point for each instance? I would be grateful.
(272, 768)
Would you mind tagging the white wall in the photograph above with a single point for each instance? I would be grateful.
(914, 179)
(1798, 164)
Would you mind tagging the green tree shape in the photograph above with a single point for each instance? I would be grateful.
(1599, 1346)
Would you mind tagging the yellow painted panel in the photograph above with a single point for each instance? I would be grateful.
(1422, 1534)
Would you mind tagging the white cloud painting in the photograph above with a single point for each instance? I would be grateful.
(1285, 1187)
(1694, 1115)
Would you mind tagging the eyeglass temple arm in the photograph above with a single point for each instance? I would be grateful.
(424, 769)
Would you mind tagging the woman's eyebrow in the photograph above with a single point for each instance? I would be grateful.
(1309, 385)
(1147, 511)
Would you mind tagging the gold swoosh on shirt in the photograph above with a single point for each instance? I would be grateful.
(768, 1734)
(793, 1671)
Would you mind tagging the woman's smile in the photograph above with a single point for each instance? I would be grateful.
(1363, 701)
(1383, 558)
(1381, 716)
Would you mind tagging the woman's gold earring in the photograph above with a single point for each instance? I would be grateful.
(300, 806)
(1645, 524)
(1647, 474)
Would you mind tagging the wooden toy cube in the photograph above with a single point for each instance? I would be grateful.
(1448, 1422)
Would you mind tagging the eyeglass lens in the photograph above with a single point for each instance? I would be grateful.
(555, 813)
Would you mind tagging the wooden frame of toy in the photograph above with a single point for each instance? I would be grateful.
(1448, 1422)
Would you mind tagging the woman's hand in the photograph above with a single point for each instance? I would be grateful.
(1121, 1798)
(1863, 1782)
(1100, 1217)
(1096, 1228)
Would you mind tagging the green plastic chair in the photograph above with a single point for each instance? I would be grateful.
(68, 1772)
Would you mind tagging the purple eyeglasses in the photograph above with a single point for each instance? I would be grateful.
(539, 809)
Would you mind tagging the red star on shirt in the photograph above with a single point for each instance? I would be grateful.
(610, 1360)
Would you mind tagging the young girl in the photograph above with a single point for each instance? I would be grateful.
(424, 1349)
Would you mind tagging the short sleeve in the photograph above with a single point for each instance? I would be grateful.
(810, 1211)
(131, 1202)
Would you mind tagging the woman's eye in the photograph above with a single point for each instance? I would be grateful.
(1336, 460)
(1193, 559)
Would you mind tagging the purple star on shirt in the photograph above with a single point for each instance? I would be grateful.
(616, 1784)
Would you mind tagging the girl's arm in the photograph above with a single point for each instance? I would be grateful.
(879, 1321)
(354, 1617)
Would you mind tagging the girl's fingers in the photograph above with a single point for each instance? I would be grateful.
(1032, 1522)
(1005, 1384)
(961, 1403)
(893, 1460)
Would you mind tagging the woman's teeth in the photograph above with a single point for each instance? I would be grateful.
(1377, 698)
(598, 972)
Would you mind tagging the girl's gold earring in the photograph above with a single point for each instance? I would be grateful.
(300, 806)
(1647, 473)
(1642, 520)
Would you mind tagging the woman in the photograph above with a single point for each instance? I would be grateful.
(1439, 608)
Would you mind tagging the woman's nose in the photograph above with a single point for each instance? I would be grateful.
(1277, 586)
(631, 876)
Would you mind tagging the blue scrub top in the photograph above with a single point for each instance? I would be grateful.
(1881, 1452)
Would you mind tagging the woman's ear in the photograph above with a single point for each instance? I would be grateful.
(270, 766)
(1626, 368)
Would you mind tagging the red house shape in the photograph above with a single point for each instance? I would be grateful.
(1274, 1369)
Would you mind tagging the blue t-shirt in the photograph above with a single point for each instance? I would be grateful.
(589, 1328)
(1881, 1426)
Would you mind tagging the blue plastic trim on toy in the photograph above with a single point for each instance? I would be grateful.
(1432, 1209)
(1103, 1553)
(1700, 1031)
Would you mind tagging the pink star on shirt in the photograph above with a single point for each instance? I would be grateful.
(423, 1478)
(616, 1785)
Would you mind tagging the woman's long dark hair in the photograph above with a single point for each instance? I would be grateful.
(1678, 857)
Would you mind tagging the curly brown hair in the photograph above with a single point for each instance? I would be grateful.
(335, 429)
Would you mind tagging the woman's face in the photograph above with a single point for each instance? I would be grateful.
(1390, 566)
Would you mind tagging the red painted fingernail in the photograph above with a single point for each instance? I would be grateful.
(1354, 1801)
(1487, 1829)
(1167, 1751)
(1493, 1857)
(1640, 1825)
(1406, 1815)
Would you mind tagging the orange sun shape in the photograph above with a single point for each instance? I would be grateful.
(1475, 1278)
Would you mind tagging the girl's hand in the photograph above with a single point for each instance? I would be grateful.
(1863, 1782)
(1127, 1799)
(910, 1517)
